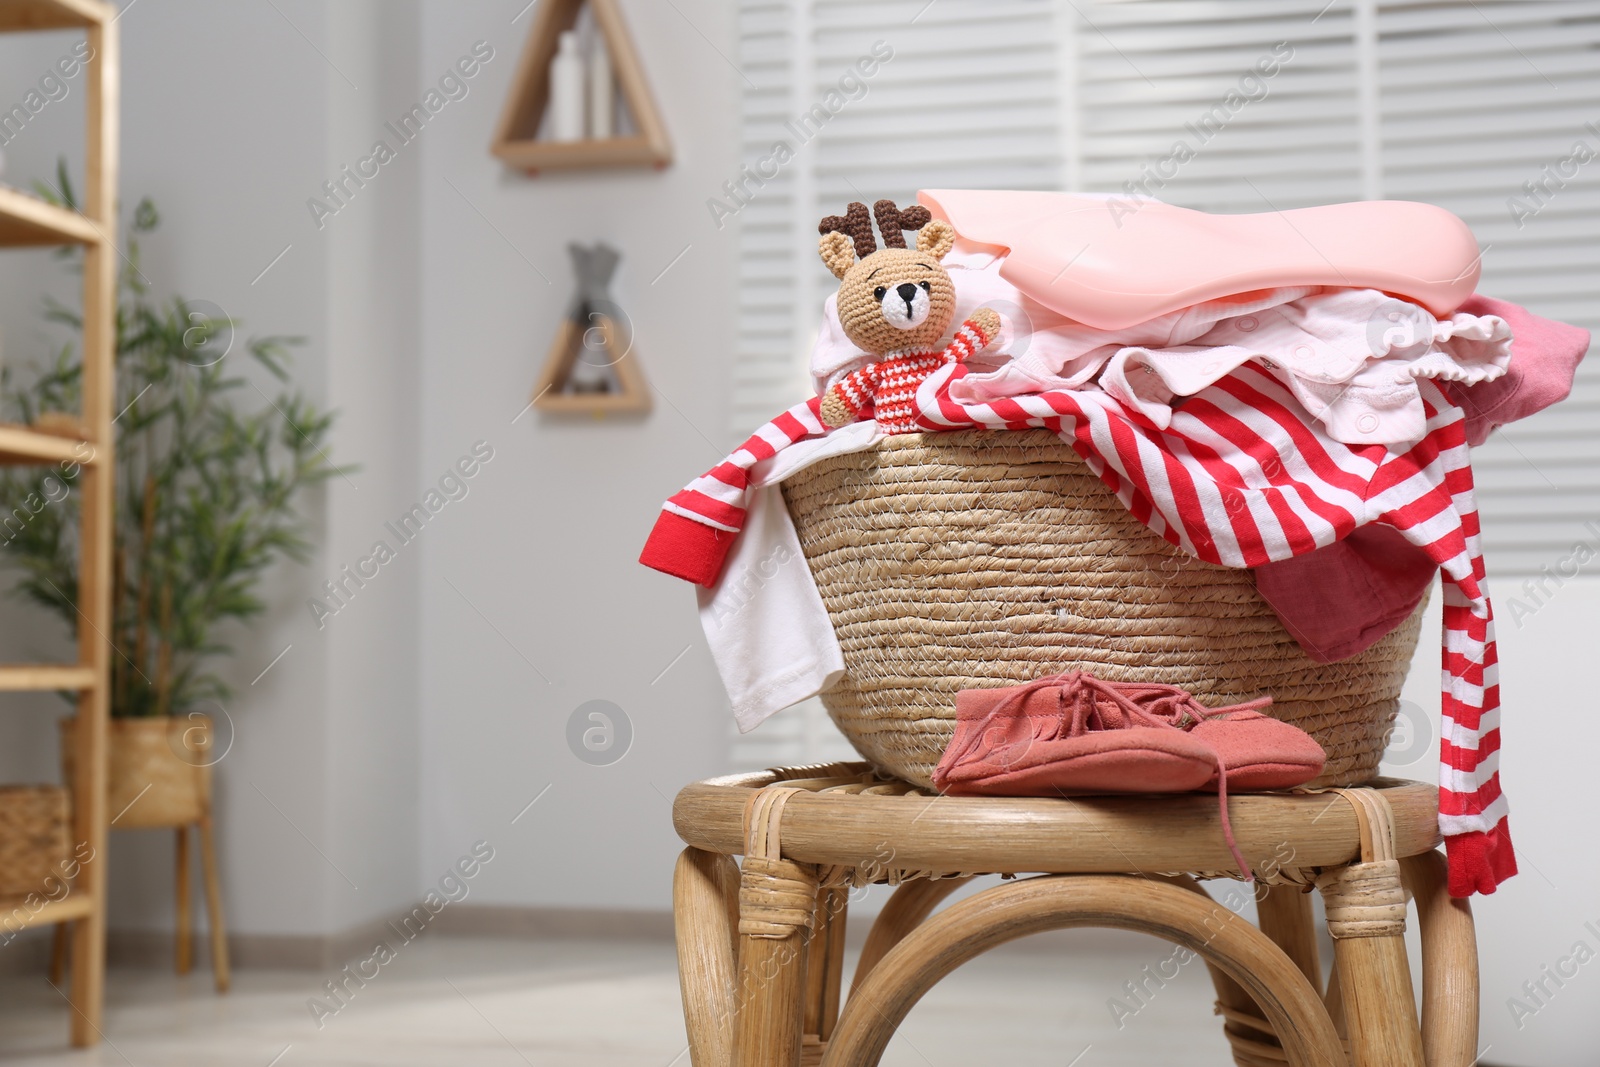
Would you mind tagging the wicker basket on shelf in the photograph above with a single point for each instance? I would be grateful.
(986, 558)
(34, 838)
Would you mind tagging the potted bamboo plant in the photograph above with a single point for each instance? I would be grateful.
(206, 493)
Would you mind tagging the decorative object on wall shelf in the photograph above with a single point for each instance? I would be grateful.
(566, 90)
(591, 367)
(551, 78)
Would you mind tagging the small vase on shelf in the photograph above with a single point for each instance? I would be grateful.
(566, 90)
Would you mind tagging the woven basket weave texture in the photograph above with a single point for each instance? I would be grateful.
(974, 559)
(33, 838)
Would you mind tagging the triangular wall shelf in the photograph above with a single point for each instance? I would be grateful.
(612, 384)
(632, 396)
(516, 137)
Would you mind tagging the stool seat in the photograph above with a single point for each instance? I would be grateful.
(761, 942)
(846, 813)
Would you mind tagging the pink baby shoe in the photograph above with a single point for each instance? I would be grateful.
(1258, 751)
(1069, 733)
(1075, 733)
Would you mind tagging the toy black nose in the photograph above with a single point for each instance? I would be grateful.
(907, 291)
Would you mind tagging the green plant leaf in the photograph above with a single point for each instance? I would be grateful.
(206, 489)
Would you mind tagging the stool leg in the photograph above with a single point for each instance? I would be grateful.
(824, 969)
(184, 931)
(1285, 916)
(705, 913)
(776, 901)
(1449, 964)
(1366, 914)
(1333, 1000)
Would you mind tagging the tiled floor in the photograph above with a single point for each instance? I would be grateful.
(488, 1003)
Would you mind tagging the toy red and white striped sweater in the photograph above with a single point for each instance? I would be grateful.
(886, 388)
(1241, 477)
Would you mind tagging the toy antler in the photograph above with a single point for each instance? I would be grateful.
(855, 224)
(891, 221)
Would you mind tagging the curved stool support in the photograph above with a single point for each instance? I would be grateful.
(1006, 912)
(911, 903)
(761, 943)
(1246, 1028)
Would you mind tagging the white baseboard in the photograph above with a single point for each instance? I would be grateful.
(308, 952)
(144, 949)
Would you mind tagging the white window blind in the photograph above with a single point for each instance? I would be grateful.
(1477, 100)
(969, 97)
(1454, 103)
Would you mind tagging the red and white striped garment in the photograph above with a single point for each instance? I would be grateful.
(1241, 477)
(886, 388)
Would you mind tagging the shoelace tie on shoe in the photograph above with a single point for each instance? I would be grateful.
(1149, 703)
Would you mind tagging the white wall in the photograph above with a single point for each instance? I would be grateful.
(374, 275)
(222, 166)
(1549, 733)
(532, 600)
(427, 320)
(317, 795)
(226, 212)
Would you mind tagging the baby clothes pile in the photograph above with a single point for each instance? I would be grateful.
(1310, 423)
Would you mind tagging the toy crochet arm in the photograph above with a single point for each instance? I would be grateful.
(976, 334)
(850, 398)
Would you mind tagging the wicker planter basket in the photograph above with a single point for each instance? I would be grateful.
(158, 769)
(34, 843)
(972, 559)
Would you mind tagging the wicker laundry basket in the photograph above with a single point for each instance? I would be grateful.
(972, 559)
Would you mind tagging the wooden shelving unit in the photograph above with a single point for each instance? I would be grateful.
(19, 444)
(30, 677)
(53, 14)
(27, 221)
(66, 909)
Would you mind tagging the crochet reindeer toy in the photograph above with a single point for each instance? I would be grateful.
(895, 304)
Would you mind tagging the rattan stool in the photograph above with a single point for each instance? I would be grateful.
(760, 949)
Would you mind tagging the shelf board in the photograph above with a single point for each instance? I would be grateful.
(23, 677)
(20, 444)
(16, 915)
(29, 221)
(594, 404)
(53, 14)
(636, 151)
